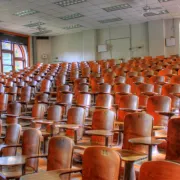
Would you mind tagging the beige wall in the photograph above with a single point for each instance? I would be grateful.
(43, 47)
(82, 46)
(74, 47)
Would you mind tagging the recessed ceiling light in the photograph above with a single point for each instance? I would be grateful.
(161, 1)
(110, 20)
(73, 26)
(118, 7)
(41, 32)
(155, 14)
(72, 16)
(34, 24)
(26, 12)
(64, 3)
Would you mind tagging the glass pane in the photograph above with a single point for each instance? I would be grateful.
(7, 68)
(17, 51)
(18, 65)
(6, 45)
(6, 57)
(26, 55)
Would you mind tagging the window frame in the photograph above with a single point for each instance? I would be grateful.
(13, 58)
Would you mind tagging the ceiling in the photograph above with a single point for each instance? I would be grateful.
(49, 14)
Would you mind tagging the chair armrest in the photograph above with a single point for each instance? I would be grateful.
(26, 117)
(12, 115)
(68, 171)
(37, 156)
(9, 146)
(99, 133)
(2, 137)
(130, 110)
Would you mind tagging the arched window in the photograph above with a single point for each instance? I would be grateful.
(17, 51)
(13, 57)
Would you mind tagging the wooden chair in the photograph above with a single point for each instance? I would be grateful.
(13, 112)
(30, 146)
(107, 161)
(159, 170)
(105, 88)
(173, 140)
(104, 101)
(144, 88)
(75, 116)
(159, 103)
(65, 100)
(25, 96)
(41, 98)
(119, 79)
(3, 103)
(122, 88)
(45, 86)
(12, 137)
(137, 125)
(127, 103)
(102, 128)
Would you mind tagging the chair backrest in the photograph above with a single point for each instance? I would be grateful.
(104, 164)
(127, 101)
(76, 115)
(119, 79)
(41, 98)
(104, 100)
(156, 79)
(0, 127)
(13, 133)
(3, 102)
(137, 125)
(38, 110)
(45, 85)
(54, 113)
(14, 108)
(122, 88)
(173, 140)
(159, 170)
(175, 79)
(83, 99)
(170, 88)
(105, 88)
(64, 97)
(26, 94)
(2, 89)
(143, 87)
(31, 146)
(103, 119)
(159, 103)
(60, 153)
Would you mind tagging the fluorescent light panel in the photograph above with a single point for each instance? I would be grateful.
(155, 14)
(64, 3)
(72, 16)
(34, 24)
(110, 20)
(118, 7)
(41, 32)
(26, 12)
(73, 26)
(161, 1)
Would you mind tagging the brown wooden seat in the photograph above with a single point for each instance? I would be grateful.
(107, 161)
(159, 170)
